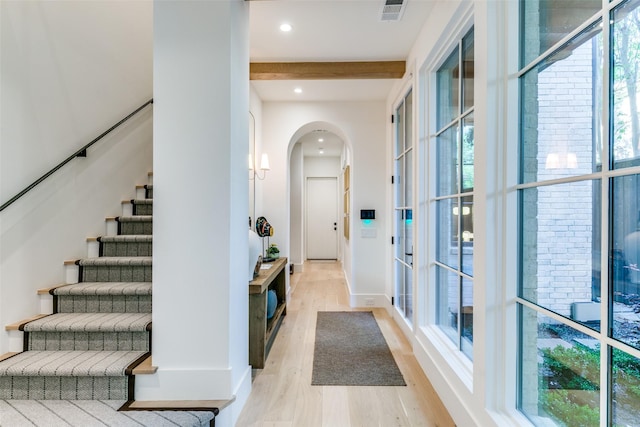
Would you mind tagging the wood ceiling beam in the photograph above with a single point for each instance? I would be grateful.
(326, 70)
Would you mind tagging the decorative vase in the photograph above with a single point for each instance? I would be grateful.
(272, 303)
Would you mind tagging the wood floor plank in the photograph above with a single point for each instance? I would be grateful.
(282, 394)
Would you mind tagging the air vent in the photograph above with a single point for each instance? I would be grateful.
(392, 10)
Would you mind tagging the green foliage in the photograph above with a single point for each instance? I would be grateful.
(569, 373)
(273, 251)
(574, 368)
(569, 384)
(626, 362)
(559, 404)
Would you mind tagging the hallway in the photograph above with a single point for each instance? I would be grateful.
(282, 394)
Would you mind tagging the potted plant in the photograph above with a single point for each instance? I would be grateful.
(273, 251)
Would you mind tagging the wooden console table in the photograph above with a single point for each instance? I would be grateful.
(262, 331)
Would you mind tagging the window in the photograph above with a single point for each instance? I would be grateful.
(453, 198)
(579, 209)
(403, 208)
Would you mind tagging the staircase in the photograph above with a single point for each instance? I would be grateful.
(79, 364)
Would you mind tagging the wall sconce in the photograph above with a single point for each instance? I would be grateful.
(466, 210)
(561, 161)
(264, 167)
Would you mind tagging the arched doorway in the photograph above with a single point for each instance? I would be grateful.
(318, 157)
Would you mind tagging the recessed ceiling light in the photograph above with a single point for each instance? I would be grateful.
(298, 90)
(321, 150)
(320, 139)
(285, 28)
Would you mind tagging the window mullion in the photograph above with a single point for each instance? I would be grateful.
(605, 241)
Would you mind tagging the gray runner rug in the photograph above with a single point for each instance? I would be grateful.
(351, 350)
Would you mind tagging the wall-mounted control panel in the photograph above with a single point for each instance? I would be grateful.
(368, 214)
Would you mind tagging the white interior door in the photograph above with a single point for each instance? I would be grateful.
(322, 218)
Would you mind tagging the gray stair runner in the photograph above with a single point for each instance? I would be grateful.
(116, 269)
(126, 246)
(67, 374)
(99, 297)
(142, 207)
(136, 224)
(77, 363)
(90, 331)
(90, 413)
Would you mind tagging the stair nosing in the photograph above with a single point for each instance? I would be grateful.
(59, 363)
(116, 261)
(105, 289)
(91, 322)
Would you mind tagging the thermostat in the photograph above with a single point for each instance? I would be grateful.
(367, 214)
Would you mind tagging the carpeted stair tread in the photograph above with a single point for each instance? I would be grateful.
(105, 288)
(70, 363)
(91, 322)
(90, 413)
(127, 238)
(142, 201)
(115, 261)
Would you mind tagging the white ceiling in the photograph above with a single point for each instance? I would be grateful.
(331, 144)
(330, 30)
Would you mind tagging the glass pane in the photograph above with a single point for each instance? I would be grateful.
(467, 153)
(559, 98)
(447, 81)
(467, 235)
(559, 373)
(447, 232)
(448, 297)
(407, 296)
(408, 179)
(625, 258)
(408, 236)
(467, 318)
(545, 22)
(626, 389)
(399, 247)
(626, 89)
(558, 238)
(408, 125)
(467, 71)
(447, 162)
(399, 182)
(400, 276)
(400, 129)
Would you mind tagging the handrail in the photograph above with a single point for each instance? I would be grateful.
(80, 153)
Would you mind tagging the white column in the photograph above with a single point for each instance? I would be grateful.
(201, 122)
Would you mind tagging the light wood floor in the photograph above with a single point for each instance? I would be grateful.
(282, 394)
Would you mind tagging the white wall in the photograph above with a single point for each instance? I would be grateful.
(296, 219)
(69, 70)
(362, 127)
(255, 106)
